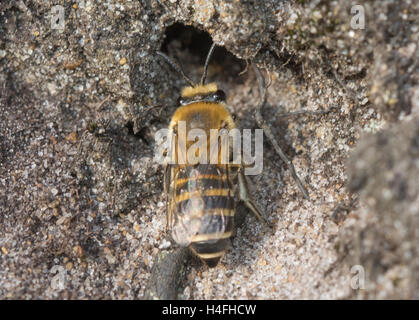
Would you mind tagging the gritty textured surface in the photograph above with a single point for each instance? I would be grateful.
(82, 211)
(382, 235)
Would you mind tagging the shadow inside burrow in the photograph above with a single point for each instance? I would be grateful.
(189, 47)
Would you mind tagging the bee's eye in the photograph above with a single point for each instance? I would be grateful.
(219, 95)
(180, 101)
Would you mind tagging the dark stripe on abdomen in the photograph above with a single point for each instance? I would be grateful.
(210, 253)
(204, 247)
(201, 183)
(218, 229)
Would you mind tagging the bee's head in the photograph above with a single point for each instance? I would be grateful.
(201, 93)
(197, 92)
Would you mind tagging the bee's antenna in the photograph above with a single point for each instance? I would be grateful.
(204, 75)
(177, 67)
(267, 131)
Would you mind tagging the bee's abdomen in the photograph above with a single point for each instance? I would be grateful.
(211, 253)
(212, 241)
(205, 191)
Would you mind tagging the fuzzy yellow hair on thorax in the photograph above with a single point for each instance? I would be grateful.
(189, 92)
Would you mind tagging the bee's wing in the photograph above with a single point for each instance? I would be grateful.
(168, 190)
(218, 222)
(202, 204)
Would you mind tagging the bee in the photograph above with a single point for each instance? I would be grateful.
(202, 197)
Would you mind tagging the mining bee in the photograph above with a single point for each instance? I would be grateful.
(202, 197)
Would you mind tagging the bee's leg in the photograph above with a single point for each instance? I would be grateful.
(241, 211)
(306, 113)
(267, 131)
(166, 185)
(246, 198)
(166, 178)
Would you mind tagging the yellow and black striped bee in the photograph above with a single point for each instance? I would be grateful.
(202, 196)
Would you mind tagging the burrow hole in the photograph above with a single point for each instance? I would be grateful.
(189, 46)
